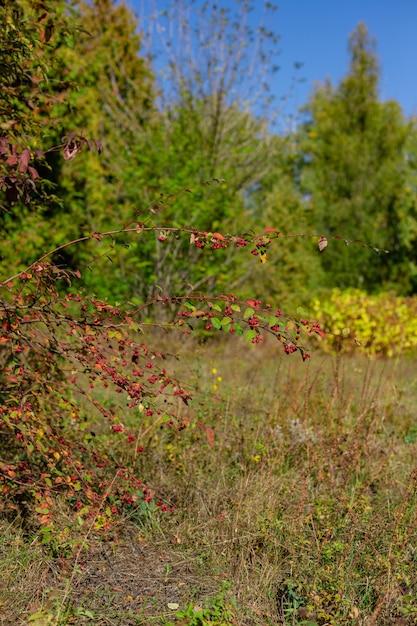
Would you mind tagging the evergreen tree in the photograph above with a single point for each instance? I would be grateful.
(356, 174)
(83, 65)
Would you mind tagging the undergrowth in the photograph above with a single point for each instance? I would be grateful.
(303, 511)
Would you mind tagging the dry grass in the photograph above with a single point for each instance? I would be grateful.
(305, 504)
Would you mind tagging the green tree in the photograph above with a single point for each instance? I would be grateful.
(294, 272)
(73, 67)
(194, 129)
(109, 76)
(32, 82)
(202, 129)
(356, 175)
(31, 34)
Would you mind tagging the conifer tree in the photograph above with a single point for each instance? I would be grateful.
(356, 174)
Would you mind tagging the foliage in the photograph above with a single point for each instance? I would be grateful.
(380, 325)
(32, 85)
(217, 612)
(108, 76)
(62, 351)
(357, 171)
(164, 136)
(29, 82)
(99, 422)
(214, 97)
(277, 202)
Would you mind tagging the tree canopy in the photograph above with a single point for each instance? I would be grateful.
(357, 173)
(191, 149)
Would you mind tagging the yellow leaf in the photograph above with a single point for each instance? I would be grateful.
(196, 314)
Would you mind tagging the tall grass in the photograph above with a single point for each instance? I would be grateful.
(305, 505)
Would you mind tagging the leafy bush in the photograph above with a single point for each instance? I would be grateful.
(63, 351)
(380, 325)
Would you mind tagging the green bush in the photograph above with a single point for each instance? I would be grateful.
(383, 324)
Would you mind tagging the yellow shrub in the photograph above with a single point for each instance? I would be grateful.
(383, 324)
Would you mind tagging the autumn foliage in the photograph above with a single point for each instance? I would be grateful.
(123, 216)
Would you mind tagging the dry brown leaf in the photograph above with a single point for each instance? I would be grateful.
(322, 243)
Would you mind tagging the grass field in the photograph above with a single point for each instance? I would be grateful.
(303, 510)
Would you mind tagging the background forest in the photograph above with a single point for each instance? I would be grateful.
(150, 474)
(205, 123)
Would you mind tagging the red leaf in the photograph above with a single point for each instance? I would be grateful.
(24, 161)
(33, 172)
(209, 434)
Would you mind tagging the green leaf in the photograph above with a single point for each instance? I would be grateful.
(216, 323)
(235, 307)
(46, 529)
(226, 320)
(273, 321)
(135, 326)
(84, 612)
(248, 313)
(45, 617)
(249, 335)
(239, 330)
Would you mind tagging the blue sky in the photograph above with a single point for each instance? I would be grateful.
(315, 33)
